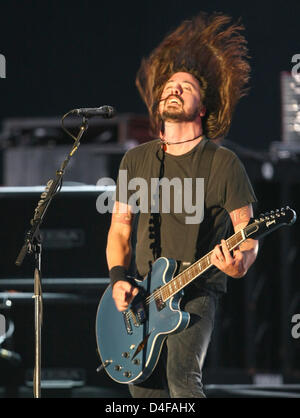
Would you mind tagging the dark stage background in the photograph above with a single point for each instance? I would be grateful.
(62, 55)
(65, 55)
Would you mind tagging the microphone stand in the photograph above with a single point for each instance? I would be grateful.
(33, 245)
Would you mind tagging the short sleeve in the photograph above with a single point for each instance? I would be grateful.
(234, 186)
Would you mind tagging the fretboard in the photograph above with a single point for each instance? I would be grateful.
(191, 273)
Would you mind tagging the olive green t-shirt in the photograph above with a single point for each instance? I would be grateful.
(175, 219)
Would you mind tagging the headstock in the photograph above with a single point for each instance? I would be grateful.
(269, 222)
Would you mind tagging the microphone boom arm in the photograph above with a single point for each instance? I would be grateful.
(52, 188)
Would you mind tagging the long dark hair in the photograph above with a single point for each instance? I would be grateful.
(214, 52)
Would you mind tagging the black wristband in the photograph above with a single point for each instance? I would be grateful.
(117, 273)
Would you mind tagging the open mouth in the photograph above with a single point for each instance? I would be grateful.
(174, 100)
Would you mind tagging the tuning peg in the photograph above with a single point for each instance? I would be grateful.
(277, 213)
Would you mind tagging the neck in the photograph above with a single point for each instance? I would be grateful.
(181, 137)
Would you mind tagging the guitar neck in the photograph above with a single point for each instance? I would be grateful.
(191, 273)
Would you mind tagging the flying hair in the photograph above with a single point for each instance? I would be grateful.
(215, 52)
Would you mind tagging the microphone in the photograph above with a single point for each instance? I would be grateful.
(106, 112)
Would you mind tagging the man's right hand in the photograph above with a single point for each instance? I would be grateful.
(123, 294)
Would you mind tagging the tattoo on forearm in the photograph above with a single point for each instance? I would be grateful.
(242, 215)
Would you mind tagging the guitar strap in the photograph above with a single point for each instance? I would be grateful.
(204, 169)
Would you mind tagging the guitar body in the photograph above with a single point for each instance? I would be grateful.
(129, 343)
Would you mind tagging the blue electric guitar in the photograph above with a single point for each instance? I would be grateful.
(130, 342)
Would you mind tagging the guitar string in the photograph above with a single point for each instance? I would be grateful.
(158, 292)
(234, 240)
(206, 258)
(183, 273)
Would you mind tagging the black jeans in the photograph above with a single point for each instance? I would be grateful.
(178, 373)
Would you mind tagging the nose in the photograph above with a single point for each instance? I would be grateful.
(176, 89)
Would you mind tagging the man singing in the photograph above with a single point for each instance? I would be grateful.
(191, 84)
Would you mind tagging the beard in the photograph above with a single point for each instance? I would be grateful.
(179, 115)
(175, 114)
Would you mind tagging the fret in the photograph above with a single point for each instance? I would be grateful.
(167, 293)
(192, 272)
(188, 275)
(235, 240)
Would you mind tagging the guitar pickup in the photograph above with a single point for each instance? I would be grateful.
(160, 304)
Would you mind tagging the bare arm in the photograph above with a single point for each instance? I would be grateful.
(118, 252)
(237, 264)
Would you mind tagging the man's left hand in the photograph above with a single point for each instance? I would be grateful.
(231, 264)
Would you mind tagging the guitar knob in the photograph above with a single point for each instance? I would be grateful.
(125, 354)
(127, 374)
(136, 361)
(118, 368)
